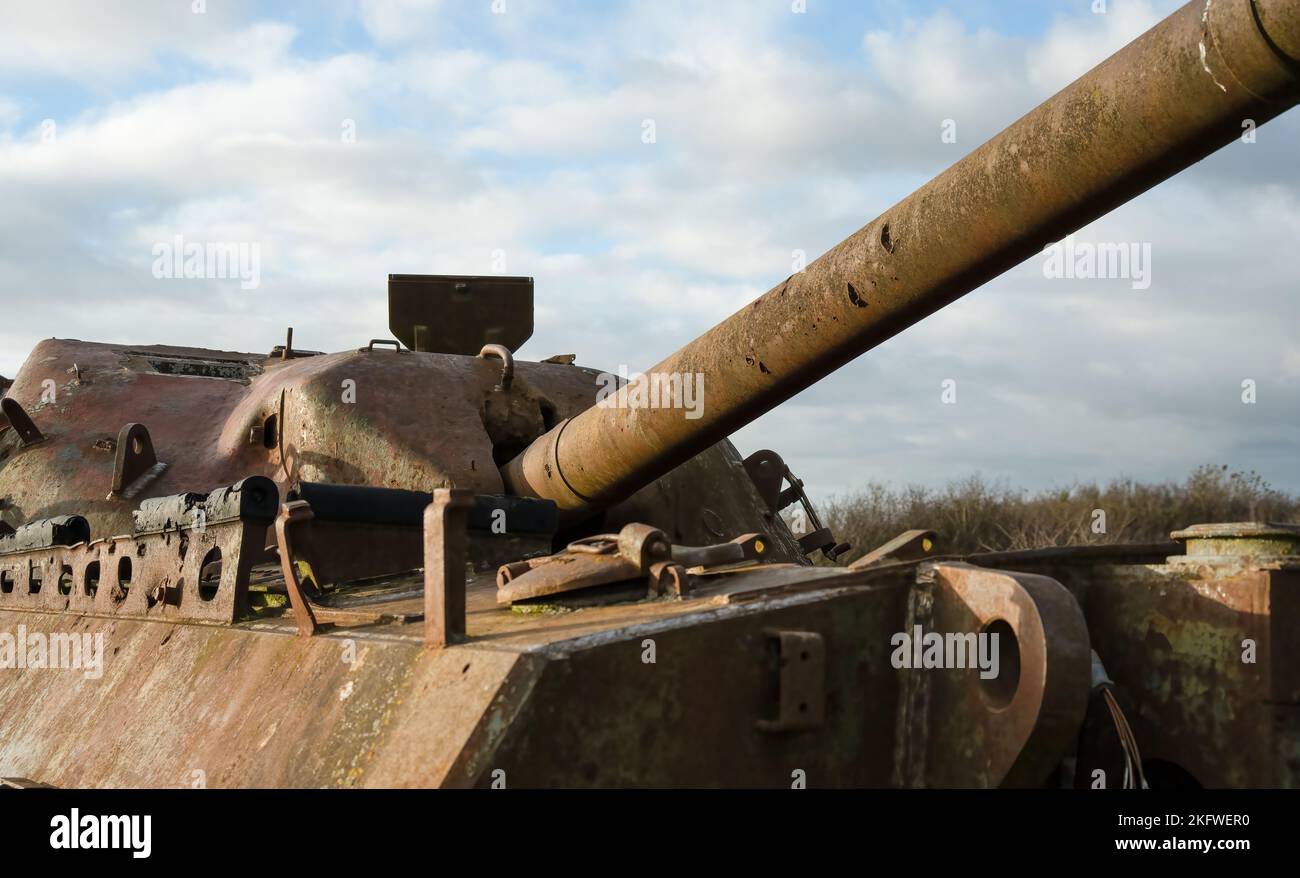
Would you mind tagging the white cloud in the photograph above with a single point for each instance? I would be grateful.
(399, 21)
(262, 46)
(930, 64)
(88, 39)
(10, 112)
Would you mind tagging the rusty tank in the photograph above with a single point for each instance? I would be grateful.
(424, 562)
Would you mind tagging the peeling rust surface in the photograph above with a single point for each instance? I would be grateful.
(1204, 656)
(253, 705)
(411, 420)
(245, 708)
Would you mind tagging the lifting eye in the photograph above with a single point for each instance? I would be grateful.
(502, 353)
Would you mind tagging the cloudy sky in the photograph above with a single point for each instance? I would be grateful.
(349, 140)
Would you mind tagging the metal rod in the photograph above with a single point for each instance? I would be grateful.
(446, 550)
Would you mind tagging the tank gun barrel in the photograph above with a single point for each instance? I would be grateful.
(1182, 90)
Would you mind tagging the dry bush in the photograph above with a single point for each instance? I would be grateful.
(971, 515)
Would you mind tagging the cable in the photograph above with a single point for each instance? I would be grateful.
(1134, 778)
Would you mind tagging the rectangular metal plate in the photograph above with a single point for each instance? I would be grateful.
(801, 699)
(458, 314)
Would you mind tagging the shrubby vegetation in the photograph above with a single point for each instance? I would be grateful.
(972, 515)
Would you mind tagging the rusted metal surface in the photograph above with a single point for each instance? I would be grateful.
(1201, 650)
(293, 516)
(569, 698)
(252, 705)
(414, 420)
(1242, 539)
(186, 705)
(906, 546)
(744, 549)
(446, 552)
(957, 729)
(1205, 664)
(718, 679)
(636, 552)
(360, 515)
(1168, 99)
(63, 530)
(16, 419)
(801, 682)
(135, 464)
(587, 564)
(154, 574)
(299, 549)
(380, 651)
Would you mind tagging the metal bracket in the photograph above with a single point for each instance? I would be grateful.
(768, 472)
(293, 515)
(136, 464)
(370, 348)
(907, 546)
(446, 549)
(16, 417)
(1027, 710)
(801, 692)
(638, 551)
(294, 539)
(746, 548)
